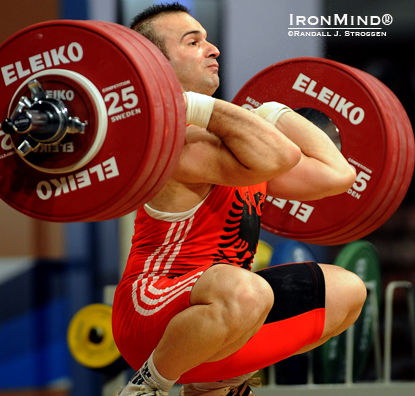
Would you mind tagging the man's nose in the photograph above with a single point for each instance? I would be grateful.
(213, 51)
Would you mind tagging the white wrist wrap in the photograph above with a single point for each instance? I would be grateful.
(199, 109)
(271, 111)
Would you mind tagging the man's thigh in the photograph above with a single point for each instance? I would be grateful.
(142, 309)
(296, 320)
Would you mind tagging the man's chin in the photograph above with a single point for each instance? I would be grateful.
(212, 87)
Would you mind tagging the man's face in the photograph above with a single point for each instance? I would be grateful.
(191, 56)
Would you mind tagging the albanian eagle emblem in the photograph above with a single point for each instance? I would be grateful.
(241, 233)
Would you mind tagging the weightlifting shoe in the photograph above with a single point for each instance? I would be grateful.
(233, 390)
(139, 390)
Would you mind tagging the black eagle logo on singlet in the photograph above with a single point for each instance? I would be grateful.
(242, 231)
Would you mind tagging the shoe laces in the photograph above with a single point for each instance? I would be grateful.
(245, 388)
(141, 390)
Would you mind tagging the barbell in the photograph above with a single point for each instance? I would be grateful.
(93, 124)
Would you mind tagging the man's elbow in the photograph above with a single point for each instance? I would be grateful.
(345, 179)
(292, 156)
(349, 177)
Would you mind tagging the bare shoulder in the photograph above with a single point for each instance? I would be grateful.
(183, 192)
(176, 197)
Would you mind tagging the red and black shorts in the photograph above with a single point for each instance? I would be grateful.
(143, 307)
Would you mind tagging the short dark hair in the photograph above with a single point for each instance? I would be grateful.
(143, 22)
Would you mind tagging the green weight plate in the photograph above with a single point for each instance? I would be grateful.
(362, 258)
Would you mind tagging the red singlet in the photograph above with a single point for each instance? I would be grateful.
(170, 251)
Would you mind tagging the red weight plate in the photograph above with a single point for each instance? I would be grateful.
(156, 63)
(395, 170)
(399, 125)
(175, 119)
(163, 143)
(172, 130)
(325, 86)
(123, 159)
(403, 178)
(391, 185)
(406, 149)
(387, 194)
(176, 114)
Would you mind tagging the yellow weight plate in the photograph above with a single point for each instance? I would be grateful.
(90, 338)
(262, 256)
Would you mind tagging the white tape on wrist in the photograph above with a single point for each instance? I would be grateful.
(271, 111)
(199, 109)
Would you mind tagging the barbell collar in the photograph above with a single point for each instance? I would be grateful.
(38, 93)
(46, 120)
(27, 146)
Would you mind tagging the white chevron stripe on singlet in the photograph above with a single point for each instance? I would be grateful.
(157, 251)
(175, 292)
(160, 259)
(166, 293)
(176, 250)
(160, 254)
(147, 264)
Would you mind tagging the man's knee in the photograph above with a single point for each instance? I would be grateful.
(256, 295)
(242, 297)
(345, 296)
(355, 290)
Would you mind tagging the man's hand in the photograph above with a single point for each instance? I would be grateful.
(271, 111)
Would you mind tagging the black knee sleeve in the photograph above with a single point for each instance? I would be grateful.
(297, 287)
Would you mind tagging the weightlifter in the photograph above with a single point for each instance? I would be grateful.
(188, 309)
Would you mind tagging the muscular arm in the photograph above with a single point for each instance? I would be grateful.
(322, 170)
(239, 149)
